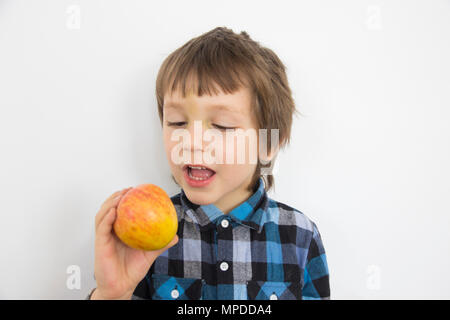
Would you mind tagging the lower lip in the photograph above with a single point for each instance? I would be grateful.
(197, 183)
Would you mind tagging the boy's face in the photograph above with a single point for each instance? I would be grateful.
(228, 187)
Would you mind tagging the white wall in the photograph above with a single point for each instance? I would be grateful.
(368, 160)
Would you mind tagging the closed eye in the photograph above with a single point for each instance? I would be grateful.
(175, 124)
(179, 124)
(223, 128)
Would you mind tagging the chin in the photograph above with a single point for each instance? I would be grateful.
(199, 198)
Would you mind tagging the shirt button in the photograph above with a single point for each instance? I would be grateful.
(224, 223)
(224, 266)
(175, 294)
(273, 296)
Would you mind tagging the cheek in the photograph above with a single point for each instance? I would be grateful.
(169, 145)
(241, 151)
(240, 160)
(166, 137)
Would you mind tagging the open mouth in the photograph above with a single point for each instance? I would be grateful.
(198, 176)
(198, 173)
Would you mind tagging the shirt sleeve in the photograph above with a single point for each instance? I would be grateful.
(316, 284)
(133, 297)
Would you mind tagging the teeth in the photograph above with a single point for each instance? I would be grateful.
(201, 168)
(197, 168)
(195, 178)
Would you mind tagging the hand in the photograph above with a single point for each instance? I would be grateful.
(118, 268)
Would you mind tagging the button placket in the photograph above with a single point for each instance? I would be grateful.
(224, 258)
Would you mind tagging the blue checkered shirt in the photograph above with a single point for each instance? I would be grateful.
(262, 249)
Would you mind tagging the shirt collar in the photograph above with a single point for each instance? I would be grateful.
(251, 213)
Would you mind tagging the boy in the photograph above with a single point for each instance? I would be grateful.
(233, 241)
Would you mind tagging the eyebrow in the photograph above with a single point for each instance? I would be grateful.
(224, 107)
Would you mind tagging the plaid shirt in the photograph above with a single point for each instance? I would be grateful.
(262, 249)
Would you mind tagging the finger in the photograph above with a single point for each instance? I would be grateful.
(103, 233)
(114, 196)
(112, 203)
(108, 204)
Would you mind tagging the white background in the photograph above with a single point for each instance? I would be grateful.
(368, 162)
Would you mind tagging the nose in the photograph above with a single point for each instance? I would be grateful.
(196, 130)
(197, 143)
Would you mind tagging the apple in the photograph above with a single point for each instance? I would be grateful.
(146, 218)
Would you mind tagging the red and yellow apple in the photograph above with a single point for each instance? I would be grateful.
(146, 218)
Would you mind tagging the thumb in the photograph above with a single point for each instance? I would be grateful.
(173, 242)
(156, 253)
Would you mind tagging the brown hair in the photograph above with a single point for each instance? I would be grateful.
(229, 60)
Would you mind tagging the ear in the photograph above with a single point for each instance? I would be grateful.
(271, 154)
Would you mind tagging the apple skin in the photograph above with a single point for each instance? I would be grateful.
(146, 218)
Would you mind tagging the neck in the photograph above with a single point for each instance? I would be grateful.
(233, 199)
